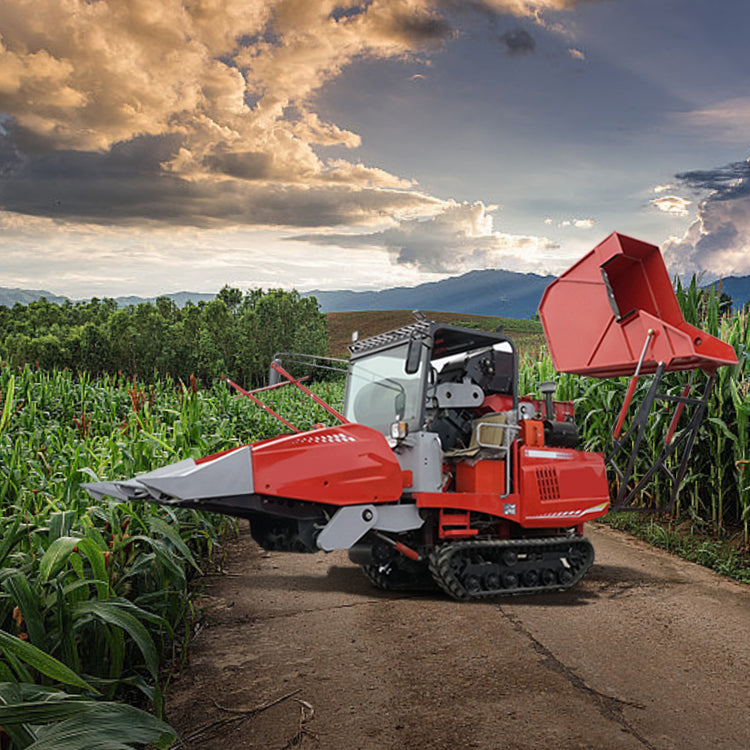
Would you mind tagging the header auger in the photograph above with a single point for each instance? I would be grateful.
(439, 472)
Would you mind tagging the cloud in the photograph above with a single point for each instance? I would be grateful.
(571, 223)
(193, 112)
(459, 238)
(718, 241)
(672, 204)
(726, 183)
(203, 111)
(521, 8)
(84, 76)
(577, 223)
(518, 42)
(127, 182)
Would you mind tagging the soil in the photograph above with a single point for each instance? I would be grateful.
(648, 651)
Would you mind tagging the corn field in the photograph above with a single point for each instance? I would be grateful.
(95, 605)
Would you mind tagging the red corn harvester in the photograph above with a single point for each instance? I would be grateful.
(439, 471)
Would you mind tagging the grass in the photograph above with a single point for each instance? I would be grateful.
(691, 540)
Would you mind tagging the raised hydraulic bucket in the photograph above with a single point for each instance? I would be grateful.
(616, 308)
(615, 313)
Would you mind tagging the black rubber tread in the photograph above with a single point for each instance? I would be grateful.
(446, 560)
(396, 578)
(378, 579)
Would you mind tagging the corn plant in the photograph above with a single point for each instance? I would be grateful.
(47, 718)
(99, 588)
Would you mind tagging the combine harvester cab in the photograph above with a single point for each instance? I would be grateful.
(438, 472)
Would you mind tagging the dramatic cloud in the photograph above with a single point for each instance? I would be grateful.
(459, 238)
(127, 184)
(187, 112)
(719, 240)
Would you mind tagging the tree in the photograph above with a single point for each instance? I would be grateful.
(235, 335)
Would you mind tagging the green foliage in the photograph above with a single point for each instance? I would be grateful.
(42, 718)
(690, 540)
(95, 596)
(234, 335)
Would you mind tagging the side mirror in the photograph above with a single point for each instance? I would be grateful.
(413, 356)
(400, 405)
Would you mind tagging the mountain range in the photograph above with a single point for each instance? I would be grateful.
(489, 292)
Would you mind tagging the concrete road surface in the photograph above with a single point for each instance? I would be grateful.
(648, 651)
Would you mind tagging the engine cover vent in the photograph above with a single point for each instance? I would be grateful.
(547, 484)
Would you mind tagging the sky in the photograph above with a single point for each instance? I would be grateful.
(152, 146)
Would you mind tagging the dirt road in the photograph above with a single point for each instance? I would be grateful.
(647, 652)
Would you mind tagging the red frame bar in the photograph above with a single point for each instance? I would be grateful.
(276, 385)
(263, 406)
(625, 405)
(309, 393)
(631, 386)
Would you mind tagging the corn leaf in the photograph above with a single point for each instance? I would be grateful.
(106, 726)
(61, 523)
(41, 661)
(162, 527)
(56, 556)
(123, 615)
(75, 722)
(8, 406)
(30, 606)
(98, 566)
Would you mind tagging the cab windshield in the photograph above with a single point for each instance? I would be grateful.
(379, 391)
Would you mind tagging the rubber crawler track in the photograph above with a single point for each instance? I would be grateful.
(392, 578)
(478, 569)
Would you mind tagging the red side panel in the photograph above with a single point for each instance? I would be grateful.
(556, 488)
(597, 316)
(345, 465)
(561, 486)
(480, 476)
(481, 502)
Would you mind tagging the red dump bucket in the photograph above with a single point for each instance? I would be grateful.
(598, 314)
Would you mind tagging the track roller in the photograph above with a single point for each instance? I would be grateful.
(479, 569)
